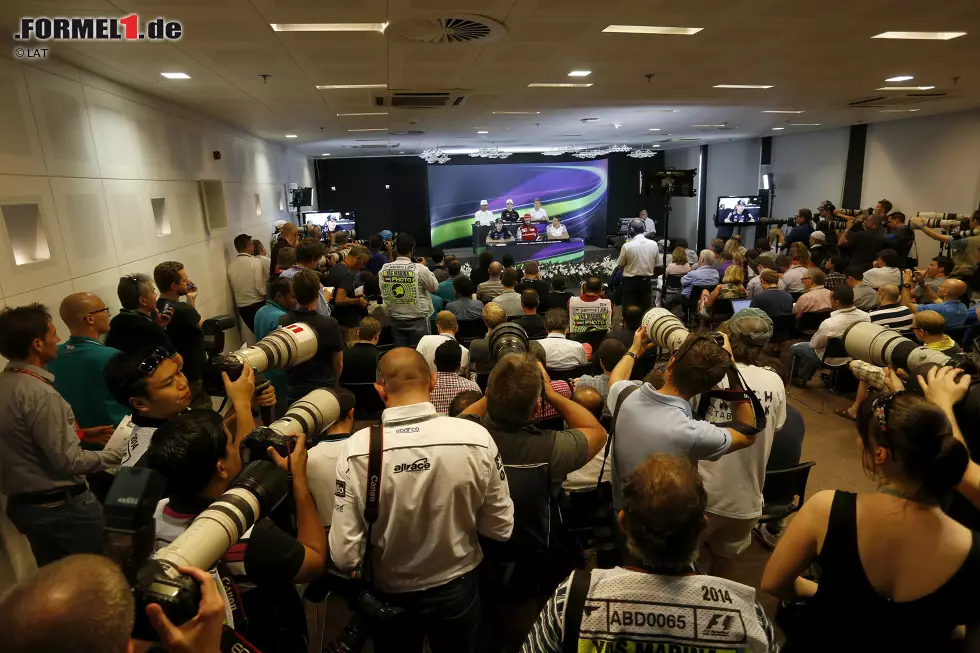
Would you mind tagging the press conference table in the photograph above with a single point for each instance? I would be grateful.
(543, 251)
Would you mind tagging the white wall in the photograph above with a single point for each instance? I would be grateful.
(924, 164)
(733, 169)
(684, 210)
(91, 154)
(808, 168)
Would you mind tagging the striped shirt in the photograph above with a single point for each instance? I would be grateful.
(448, 385)
(894, 316)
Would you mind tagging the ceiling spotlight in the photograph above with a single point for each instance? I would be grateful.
(328, 27)
(291, 136)
(900, 78)
(905, 88)
(560, 85)
(762, 86)
(780, 111)
(347, 87)
(651, 29)
(920, 36)
(176, 75)
(654, 129)
(778, 129)
(325, 154)
(580, 73)
(483, 131)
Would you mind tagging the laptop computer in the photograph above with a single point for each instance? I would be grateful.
(739, 304)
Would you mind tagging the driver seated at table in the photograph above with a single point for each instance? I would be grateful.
(499, 233)
(528, 231)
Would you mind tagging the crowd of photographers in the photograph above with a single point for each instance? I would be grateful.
(491, 470)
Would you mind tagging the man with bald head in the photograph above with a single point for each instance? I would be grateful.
(78, 369)
(288, 237)
(83, 603)
(490, 289)
(947, 302)
(442, 484)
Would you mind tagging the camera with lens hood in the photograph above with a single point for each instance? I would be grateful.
(312, 415)
(944, 221)
(778, 222)
(284, 347)
(130, 531)
(886, 347)
(507, 338)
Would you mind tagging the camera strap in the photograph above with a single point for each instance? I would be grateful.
(375, 459)
(578, 591)
(612, 428)
(737, 390)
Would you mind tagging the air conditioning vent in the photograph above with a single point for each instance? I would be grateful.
(410, 132)
(451, 30)
(905, 99)
(379, 146)
(420, 99)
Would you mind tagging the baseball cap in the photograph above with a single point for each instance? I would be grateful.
(751, 323)
(510, 201)
(482, 202)
(819, 235)
(826, 204)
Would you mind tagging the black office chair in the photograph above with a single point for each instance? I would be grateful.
(796, 296)
(470, 330)
(783, 491)
(783, 329)
(568, 375)
(692, 302)
(810, 322)
(593, 339)
(385, 339)
(835, 349)
(369, 404)
(720, 311)
(957, 333)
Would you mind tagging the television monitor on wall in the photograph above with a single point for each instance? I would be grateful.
(736, 210)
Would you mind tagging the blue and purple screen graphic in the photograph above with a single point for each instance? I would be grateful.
(574, 191)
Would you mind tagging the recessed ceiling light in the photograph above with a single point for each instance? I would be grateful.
(483, 131)
(325, 154)
(515, 113)
(742, 86)
(291, 136)
(780, 111)
(176, 75)
(654, 146)
(778, 129)
(921, 36)
(561, 85)
(401, 152)
(372, 129)
(654, 129)
(805, 124)
(328, 27)
(905, 88)
(708, 125)
(651, 29)
(369, 113)
(657, 110)
(580, 73)
(900, 78)
(341, 87)
(897, 110)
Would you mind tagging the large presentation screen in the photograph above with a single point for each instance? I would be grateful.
(574, 191)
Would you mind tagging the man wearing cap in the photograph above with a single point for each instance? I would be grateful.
(818, 248)
(248, 278)
(483, 217)
(528, 232)
(734, 481)
(826, 210)
(509, 214)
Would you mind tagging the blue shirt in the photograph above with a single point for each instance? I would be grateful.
(799, 234)
(954, 311)
(703, 276)
(78, 377)
(446, 291)
(267, 319)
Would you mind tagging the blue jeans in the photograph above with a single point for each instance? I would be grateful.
(803, 361)
(60, 528)
(407, 333)
(449, 616)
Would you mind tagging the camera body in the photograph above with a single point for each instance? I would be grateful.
(284, 347)
(312, 415)
(885, 347)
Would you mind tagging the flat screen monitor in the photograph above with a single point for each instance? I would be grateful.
(744, 209)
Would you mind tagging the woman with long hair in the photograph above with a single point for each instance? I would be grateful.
(897, 573)
(678, 262)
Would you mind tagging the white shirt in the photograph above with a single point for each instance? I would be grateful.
(587, 477)
(833, 327)
(484, 217)
(559, 232)
(427, 347)
(734, 481)
(248, 279)
(638, 257)
(321, 475)
(443, 482)
(538, 214)
(878, 277)
(562, 353)
(649, 226)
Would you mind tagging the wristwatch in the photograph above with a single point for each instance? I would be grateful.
(631, 355)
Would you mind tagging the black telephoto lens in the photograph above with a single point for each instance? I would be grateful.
(353, 638)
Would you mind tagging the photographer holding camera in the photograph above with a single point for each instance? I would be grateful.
(85, 601)
(650, 421)
(961, 250)
(442, 484)
(946, 302)
(201, 459)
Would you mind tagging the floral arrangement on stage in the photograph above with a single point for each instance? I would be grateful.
(466, 269)
(578, 272)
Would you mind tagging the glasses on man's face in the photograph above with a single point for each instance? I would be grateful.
(104, 309)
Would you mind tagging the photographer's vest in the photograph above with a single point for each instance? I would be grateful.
(586, 316)
(402, 290)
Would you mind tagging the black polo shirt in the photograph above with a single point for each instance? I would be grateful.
(360, 363)
(186, 334)
(339, 277)
(533, 326)
(131, 331)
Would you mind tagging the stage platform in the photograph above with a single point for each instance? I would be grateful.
(590, 253)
